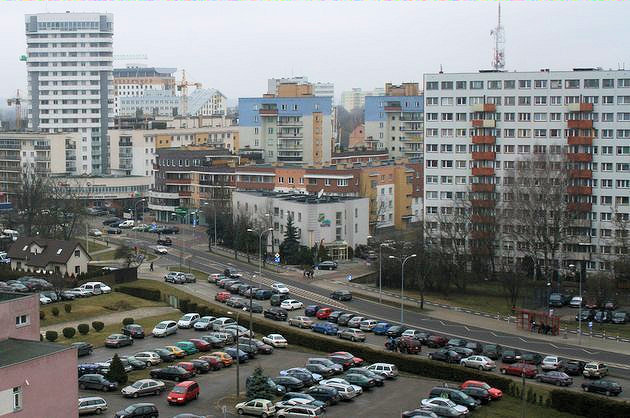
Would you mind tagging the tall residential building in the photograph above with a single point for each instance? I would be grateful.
(479, 125)
(207, 102)
(70, 80)
(395, 121)
(355, 98)
(135, 81)
(319, 89)
(296, 130)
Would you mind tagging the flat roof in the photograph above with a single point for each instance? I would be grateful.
(14, 351)
(300, 197)
(6, 296)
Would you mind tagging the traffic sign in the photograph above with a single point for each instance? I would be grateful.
(277, 258)
(349, 277)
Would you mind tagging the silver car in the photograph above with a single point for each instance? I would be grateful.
(143, 387)
(478, 362)
(301, 321)
(92, 405)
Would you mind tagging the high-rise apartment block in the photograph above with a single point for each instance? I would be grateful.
(479, 125)
(150, 89)
(70, 80)
(319, 89)
(395, 121)
(355, 98)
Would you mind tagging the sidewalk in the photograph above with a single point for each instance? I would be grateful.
(113, 318)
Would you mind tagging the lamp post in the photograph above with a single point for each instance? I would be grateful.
(260, 247)
(135, 215)
(380, 269)
(87, 241)
(238, 357)
(402, 283)
(582, 269)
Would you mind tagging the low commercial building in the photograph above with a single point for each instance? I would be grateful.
(37, 379)
(35, 254)
(332, 221)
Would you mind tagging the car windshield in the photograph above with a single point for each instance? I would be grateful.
(486, 386)
(130, 409)
(160, 326)
(179, 389)
(619, 314)
(137, 384)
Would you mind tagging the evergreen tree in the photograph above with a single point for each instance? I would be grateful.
(290, 246)
(257, 387)
(116, 372)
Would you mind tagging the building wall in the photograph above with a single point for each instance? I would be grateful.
(48, 384)
(10, 309)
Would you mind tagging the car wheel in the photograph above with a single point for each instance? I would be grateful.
(105, 389)
(558, 383)
(240, 411)
(157, 392)
(98, 411)
(481, 368)
(502, 371)
(264, 415)
(135, 395)
(81, 386)
(585, 388)
(538, 379)
(176, 378)
(607, 393)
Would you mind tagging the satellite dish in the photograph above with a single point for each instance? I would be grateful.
(320, 193)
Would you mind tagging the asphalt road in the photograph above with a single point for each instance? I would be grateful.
(208, 262)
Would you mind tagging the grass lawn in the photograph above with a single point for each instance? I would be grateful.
(95, 306)
(105, 255)
(97, 339)
(94, 246)
(510, 407)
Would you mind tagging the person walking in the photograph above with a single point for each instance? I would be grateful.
(151, 266)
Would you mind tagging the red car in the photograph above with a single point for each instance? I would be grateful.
(188, 366)
(436, 341)
(222, 296)
(201, 345)
(214, 361)
(323, 313)
(183, 392)
(358, 361)
(494, 392)
(519, 369)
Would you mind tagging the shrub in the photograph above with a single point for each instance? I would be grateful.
(192, 307)
(83, 329)
(55, 311)
(127, 321)
(585, 404)
(98, 326)
(52, 336)
(67, 307)
(116, 372)
(69, 332)
(183, 305)
(42, 315)
(148, 294)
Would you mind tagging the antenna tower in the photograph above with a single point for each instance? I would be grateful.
(498, 59)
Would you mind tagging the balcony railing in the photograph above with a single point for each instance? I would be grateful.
(580, 107)
(484, 139)
(484, 107)
(480, 219)
(483, 171)
(483, 123)
(580, 140)
(580, 124)
(268, 112)
(580, 157)
(580, 190)
(482, 203)
(581, 174)
(177, 181)
(580, 206)
(487, 155)
(482, 187)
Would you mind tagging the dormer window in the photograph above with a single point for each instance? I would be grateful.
(59, 251)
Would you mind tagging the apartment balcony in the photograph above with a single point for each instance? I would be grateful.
(580, 206)
(482, 203)
(393, 108)
(290, 123)
(483, 171)
(184, 193)
(484, 123)
(580, 107)
(581, 174)
(268, 112)
(582, 223)
(580, 190)
(177, 181)
(290, 147)
(480, 219)
(483, 156)
(580, 157)
(163, 195)
(482, 187)
(292, 159)
(480, 234)
(291, 135)
(580, 140)
(484, 107)
(484, 139)
(580, 124)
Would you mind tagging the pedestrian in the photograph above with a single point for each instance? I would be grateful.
(151, 266)
(304, 273)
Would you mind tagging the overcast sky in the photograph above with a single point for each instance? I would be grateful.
(236, 46)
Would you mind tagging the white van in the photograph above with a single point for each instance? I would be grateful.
(96, 287)
(129, 223)
(11, 233)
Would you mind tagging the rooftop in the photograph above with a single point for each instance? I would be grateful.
(301, 198)
(40, 252)
(6, 296)
(14, 351)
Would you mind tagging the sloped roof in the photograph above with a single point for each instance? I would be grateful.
(54, 251)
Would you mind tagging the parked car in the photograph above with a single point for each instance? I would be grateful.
(160, 249)
(226, 359)
(478, 362)
(166, 241)
(96, 381)
(620, 317)
(175, 373)
(381, 328)
(476, 347)
(323, 313)
(492, 350)
(345, 389)
(555, 378)
(311, 310)
(389, 371)
(110, 221)
(188, 320)
(576, 301)
(275, 340)
(531, 358)
(610, 305)
(275, 313)
(595, 370)
(299, 411)
(444, 407)
(280, 288)
(83, 349)
(175, 277)
(113, 231)
(324, 393)
(143, 387)
(201, 344)
(92, 405)
(367, 325)
(551, 363)
(607, 387)
(352, 335)
(118, 340)
(406, 345)
(164, 329)
(301, 322)
(519, 369)
(183, 392)
(603, 316)
(175, 351)
(510, 356)
(291, 304)
(326, 328)
(96, 287)
(455, 395)
(355, 321)
(419, 413)
(332, 316)
(303, 375)
(396, 331)
(263, 294)
(133, 331)
(204, 323)
(278, 390)
(148, 357)
(289, 382)
(261, 346)
(445, 354)
(360, 380)
(138, 410)
(327, 265)
(573, 367)
(215, 277)
(378, 378)
(43, 300)
(494, 392)
(242, 356)
(558, 299)
(232, 273)
(214, 362)
(260, 407)
(341, 295)
(222, 297)
(187, 347)
(586, 315)
(479, 394)
(320, 369)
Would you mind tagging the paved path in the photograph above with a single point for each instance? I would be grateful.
(113, 318)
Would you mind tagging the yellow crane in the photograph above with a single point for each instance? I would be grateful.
(17, 101)
(182, 87)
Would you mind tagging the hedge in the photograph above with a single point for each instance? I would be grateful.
(55, 311)
(589, 405)
(127, 321)
(69, 332)
(83, 329)
(52, 336)
(149, 294)
(42, 315)
(98, 326)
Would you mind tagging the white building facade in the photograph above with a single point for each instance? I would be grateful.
(319, 89)
(478, 125)
(69, 65)
(133, 83)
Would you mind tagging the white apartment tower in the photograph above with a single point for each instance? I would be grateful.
(69, 68)
(478, 125)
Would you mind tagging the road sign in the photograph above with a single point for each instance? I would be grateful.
(277, 258)
(349, 277)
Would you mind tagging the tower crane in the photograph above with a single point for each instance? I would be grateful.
(182, 87)
(17, 102)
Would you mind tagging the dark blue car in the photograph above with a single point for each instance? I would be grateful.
(325, 328)
(263, 294)
(311, 310)
(381, 328)
(91, 368)
(232, 352)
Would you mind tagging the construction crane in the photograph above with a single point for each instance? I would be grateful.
(498, 56)
(17, 102)
(182, 87)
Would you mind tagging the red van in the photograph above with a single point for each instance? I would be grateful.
(222, 296)
(183, 392)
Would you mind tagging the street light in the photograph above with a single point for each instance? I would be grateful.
(402, 283)
(260, 247)
(215, 221)
(581, 244)
(380, 269)
(135, 215)
(238, 357)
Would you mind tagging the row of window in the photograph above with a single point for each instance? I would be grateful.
(526, 117)
(524, 149)
(509, 196)
(508, 165)
(590, 83)
(525, 100)
(462, 180)
(524, 133)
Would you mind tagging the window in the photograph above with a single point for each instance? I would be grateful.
(447, 116)
(555, 117)
(623, 82)
(77, 253)
(476, 85)
(432, 116)
(290, 180)
(524, 100)
(447, 163)
(494, 84)
(432, 163)
(607, 183)
(571, 84)
(432, 85)
(432, 194)
(22, 320)
(524, 84)
(432, 147)
(607, 150)
(555, 100)
(432, 101)
(460, 85)
(623, 99)
(540, 100)
(608, 83)
(623, 117)
(509, 100)
(17, 398)
(591, 83)
(607, 133)
(540, 117)
(460, 117)
(447, 101)
(342, 182)
(508, 149)
(524, 117)
(432, 179)
(327, 182)
(509, 84)
(460, 100)
(460, 148)
(540, 84)
(508, 117)
(447, 85)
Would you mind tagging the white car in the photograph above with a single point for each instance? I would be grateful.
(204, 323)
(291, 304)
(367, 324)
(149, 357)
(550, 363)
(160, 249)
(444, 407)
(96, 287)
(260, 407)
(126, 224)
(188, 320)
(478, 362)
(575, 302)
(95, 232)
(279, 288)
(275, 340)
(165, 328)
(345, 389)
(80, 293)
(221, 322)
(44, 300)
(242, 331)
(384, 369)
